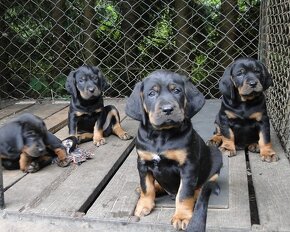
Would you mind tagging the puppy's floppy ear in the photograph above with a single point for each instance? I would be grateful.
(226, 85)
(103, 82)
(194, 99)
(70, 83)
(29, 120)
(267, 78)
(134, 106)
(11, 140)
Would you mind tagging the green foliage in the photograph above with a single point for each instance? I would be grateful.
(37, 49)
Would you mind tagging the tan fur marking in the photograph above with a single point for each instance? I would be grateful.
(84, 136)
(78, 113)
(183, 209)
(61, 153)
(266, 149)
(178, 155)
(145, 155)
(256, 116)
(98, 134)
(214, 177)
(146, 201)
(24, 161)
(228, 144)
(119, 131)
(230, 114)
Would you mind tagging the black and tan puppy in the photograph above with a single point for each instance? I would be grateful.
(242, 121)
(172, 157)
(26, 143)
(88, 118)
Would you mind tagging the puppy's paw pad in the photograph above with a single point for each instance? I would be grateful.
(180, 223)
(32, 167)
(125, 136)
(99, 142)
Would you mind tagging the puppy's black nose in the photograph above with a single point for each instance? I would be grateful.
(167, 109)
(253, 83)
(40, 149)
(91, 89)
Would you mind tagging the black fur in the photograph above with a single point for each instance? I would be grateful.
(243, 117)
(27, 135)
(169, 150)
(87, 113)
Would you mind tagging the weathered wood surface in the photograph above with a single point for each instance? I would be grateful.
(92, 197)
(272, 188)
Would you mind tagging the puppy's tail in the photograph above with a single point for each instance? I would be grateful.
(198, 221)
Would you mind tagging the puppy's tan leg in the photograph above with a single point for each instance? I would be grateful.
(24, 162)
(120, 132)
(98, 138)
(62, 160)
(216, 139)
(266, 150)
(228, 145)
(184, 210)
(146, 201)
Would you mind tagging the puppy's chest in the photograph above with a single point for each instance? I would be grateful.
(177, 156)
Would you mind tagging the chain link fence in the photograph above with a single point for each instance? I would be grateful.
(275, 53)
(43, 40)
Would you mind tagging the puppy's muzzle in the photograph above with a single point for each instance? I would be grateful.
(167, 109)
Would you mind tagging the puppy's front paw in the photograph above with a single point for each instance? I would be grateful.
(216, 140)
(63, 163)
(228, 152)
(180, 221)
(32, 167)
(254, 147)
(125, 136)
(99, 141)
(144, 207)
(269, 155)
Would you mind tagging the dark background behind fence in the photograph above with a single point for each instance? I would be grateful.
(41, 41)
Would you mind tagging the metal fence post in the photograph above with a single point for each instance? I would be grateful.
(2, 204)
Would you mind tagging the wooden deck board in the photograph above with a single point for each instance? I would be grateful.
(54, 194)
(271, 182)
(13, 109)
(88, 178)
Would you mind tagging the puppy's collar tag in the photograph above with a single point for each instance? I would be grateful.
(156, 158)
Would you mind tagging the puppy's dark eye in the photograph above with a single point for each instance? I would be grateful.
(257, 70)
(176, 91)
(152, 93)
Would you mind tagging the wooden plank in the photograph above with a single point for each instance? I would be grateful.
(237, 216)
(119, 198)
(271, 183)
(41, 110)
(13, 109)
(84, 183)
(57, 121)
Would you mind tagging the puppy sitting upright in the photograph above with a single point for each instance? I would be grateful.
(88, 118)
(172, 157)
(242, 121)
(26, 143)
